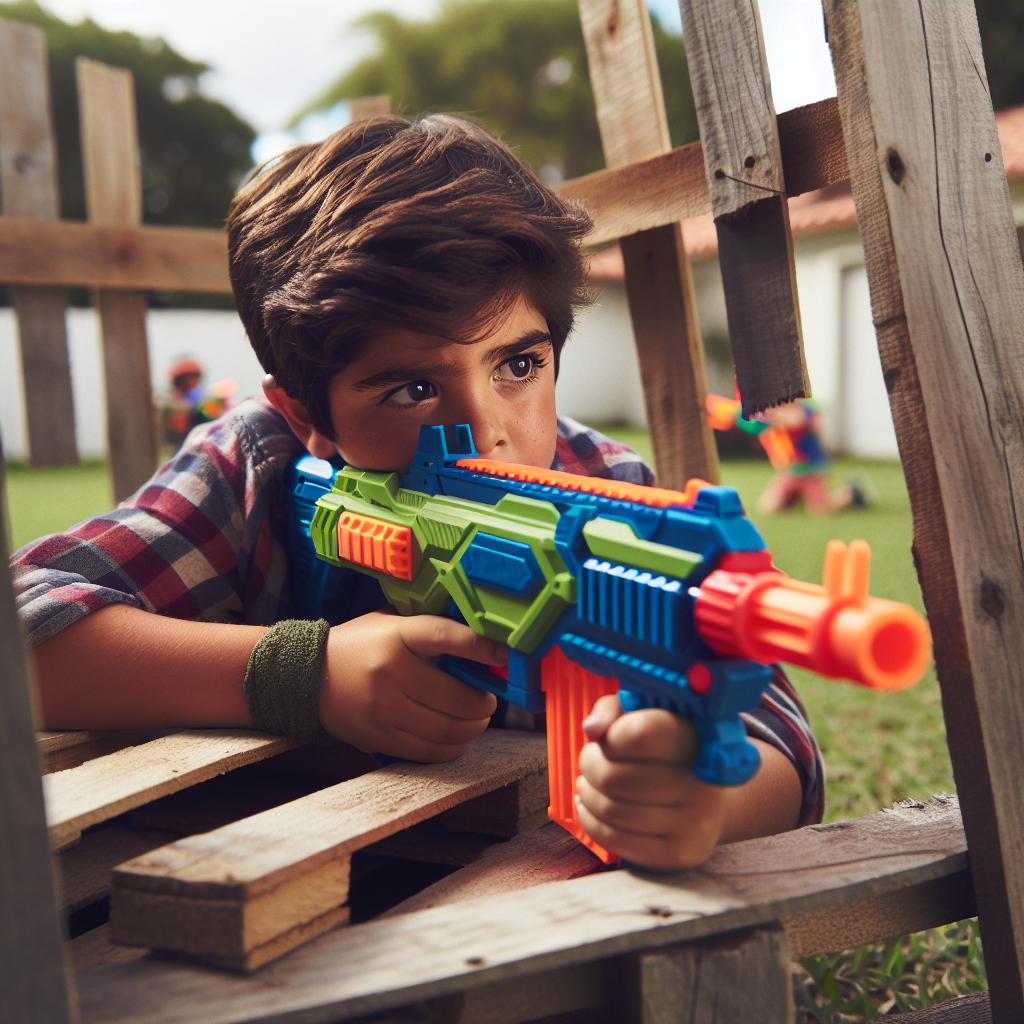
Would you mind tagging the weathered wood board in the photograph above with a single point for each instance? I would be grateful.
(449, 949)
(108, 786)
(947, 296)
(245, 893)
(28, 188)
(744, 172)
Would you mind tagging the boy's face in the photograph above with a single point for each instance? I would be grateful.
(502, 385)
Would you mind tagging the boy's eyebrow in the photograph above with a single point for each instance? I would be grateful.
(402, 375)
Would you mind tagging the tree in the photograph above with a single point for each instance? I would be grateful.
(518, 66)
(194, 150)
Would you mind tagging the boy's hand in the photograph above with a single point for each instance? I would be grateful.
(382, 694)
(636, 795)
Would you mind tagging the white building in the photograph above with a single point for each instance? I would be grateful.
(600, 379)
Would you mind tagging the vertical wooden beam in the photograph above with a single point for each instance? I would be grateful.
(659, 284)
(33, 985)
(113, 195)
(947, 296)
(743, 164)
(28, 188)
(739, 976)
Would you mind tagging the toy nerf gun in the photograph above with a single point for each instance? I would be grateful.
(668, 598)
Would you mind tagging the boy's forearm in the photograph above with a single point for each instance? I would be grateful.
(123, 668)
(769, 803)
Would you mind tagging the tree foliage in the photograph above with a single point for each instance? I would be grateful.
(518, 66)
(194, 150)
(1002, 40)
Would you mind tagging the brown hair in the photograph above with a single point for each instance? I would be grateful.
(429, 226)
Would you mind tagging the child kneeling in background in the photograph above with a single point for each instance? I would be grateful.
(392, 276)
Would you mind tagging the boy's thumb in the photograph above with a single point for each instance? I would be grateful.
(430, 636)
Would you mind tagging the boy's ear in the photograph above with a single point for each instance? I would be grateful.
(296, 416)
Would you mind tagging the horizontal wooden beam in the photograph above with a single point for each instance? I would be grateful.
(516, 935)
(639, 196)
(671, 187)
(71, 253)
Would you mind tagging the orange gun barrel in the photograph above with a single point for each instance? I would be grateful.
(836, 630)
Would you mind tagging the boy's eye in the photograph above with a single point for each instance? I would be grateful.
(516, 368)
(411, 394)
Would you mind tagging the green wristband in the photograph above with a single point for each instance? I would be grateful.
(282, 680)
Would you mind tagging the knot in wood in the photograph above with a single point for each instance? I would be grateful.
(23, 163)
(894, 165)
(613, 18)
(992, 602)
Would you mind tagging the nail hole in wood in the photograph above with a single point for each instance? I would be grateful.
(749, 162)
(992, 602)
(719, 174)
(894, 164)
(475, 961)
(988, 158)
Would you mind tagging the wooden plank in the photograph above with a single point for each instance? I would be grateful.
(741, 976)
(974, 1008)
(659, 284)
(83, 872)
(32, 981)
(365, 107)
(287, 867)
(519, 807)
(744, 172)
(452, 949)
(108, 786)
(105, 256)
(947, 294)
(113, 196)
(548, 854)
(28, 188)
(99, 746)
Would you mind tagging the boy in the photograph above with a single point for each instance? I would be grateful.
(394, 275)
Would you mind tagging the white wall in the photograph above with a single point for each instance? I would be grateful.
(215, 337)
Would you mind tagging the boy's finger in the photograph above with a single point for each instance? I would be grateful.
(416, 718)
(643, 782)
(652, 735)
(429, 636)
(605, 711)
(428, 686)
(702, 812)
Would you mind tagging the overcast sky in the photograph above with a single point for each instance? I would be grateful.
(271, 57)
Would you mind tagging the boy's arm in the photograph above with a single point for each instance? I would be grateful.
(637, 796)
(121, 667)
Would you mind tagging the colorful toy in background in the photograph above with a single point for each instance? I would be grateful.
(668, 598)
(790, 434)
(187, 404)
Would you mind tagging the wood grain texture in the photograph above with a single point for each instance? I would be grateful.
(83, 872)
(28, 188)
(947, 296)
(975, 1008)
(103, 744)
(255, 855)
(105, 256)
(659, 285)
(733, 97)
(741, 976)
(451, 949)
(519, 807)
(670, 187)
(744, 172)
(113, 196)
(33, 987)
(548, 854)
(108, 786)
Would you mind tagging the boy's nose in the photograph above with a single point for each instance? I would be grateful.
(488, 438)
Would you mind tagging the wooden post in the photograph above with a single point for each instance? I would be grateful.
(743, 165)
(659, 284)
(28, 188)
(33, 987)
(113, 196)
(739, 976)
(947, 295)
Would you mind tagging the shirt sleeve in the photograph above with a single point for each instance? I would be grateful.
(195, 542)
(780, 719)
(587, 452)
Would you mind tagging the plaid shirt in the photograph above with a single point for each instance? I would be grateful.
(204, 539)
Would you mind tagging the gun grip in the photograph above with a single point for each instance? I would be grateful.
(727, 757)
